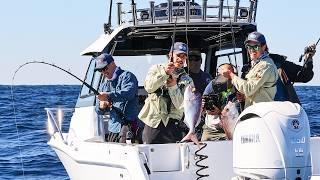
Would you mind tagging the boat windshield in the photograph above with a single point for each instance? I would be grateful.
(140, 65)
(228, 56)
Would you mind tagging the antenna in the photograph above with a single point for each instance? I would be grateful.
(107, 27)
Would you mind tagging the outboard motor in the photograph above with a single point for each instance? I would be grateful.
(271, 140)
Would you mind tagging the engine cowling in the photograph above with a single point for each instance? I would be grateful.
(272, 141)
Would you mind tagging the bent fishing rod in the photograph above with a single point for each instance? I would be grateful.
(53, 65)
(12, 96)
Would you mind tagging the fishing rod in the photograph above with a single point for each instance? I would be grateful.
(107, 27)
(306, 51)
(14, 109)
(53, 65)
(173, 38)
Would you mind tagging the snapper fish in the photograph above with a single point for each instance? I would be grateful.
(192, 112)
(228, 118)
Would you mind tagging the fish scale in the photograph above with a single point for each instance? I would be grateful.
(192, 112)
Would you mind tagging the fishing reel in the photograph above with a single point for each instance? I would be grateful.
(309, 52)
(184, 78)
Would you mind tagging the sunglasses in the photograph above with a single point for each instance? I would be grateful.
(253, 47)
(103, 69)
(194, 58)
(182, 55)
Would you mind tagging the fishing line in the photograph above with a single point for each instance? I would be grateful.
(17, 129)
(187, 41)
(13, 104)
(233, 38)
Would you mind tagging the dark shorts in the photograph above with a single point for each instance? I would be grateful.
(171, 133)
(122, 136)
(112, 137)
(118, 137)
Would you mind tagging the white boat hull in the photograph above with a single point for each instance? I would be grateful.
(100, 160)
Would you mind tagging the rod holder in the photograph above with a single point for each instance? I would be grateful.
(170, 11)
(255, 10)
(220, 10)
(119, 5)
(134, 13)
(236, 11)
(250, 11)
(152, 12)
(204, 9)
(187, 10)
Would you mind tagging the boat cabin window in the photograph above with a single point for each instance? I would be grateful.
(140, 65)
(203, 56)
(232, 56)
(87, 97)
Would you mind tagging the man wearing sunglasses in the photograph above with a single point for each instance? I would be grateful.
(200, 78)
(290, 73)
(163, 108)
(118, 97)
(260, 82)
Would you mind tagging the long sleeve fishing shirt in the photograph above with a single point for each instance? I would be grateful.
(260, 83)
(162, 102)
(122, 91)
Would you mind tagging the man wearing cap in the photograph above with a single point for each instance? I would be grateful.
(260, 82)
(200, 78)
(289, 73)
(118, 97)
(163, 108)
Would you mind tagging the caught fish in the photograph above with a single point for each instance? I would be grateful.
(229, 116)
(192, 112)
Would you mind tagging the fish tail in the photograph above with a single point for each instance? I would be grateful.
(191, 136)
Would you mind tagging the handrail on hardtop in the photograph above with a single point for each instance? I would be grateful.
(187, 12)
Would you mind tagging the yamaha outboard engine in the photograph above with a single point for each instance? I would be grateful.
(271, 140)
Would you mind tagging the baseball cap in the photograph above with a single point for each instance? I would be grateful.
(180, 47)
(256, 37)
(103, 60)
(194, 55)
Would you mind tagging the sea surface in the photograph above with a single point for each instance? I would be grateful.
(26, 155)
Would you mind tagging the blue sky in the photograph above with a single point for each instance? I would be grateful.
(57, 31)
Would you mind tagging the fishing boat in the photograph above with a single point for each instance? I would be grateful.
(271, 140)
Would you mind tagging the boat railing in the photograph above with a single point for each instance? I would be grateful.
(57, 120)
(186, 11)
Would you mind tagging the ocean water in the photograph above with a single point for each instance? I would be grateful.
(39, 160)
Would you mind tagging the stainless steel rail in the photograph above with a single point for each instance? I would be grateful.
(165, 12)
